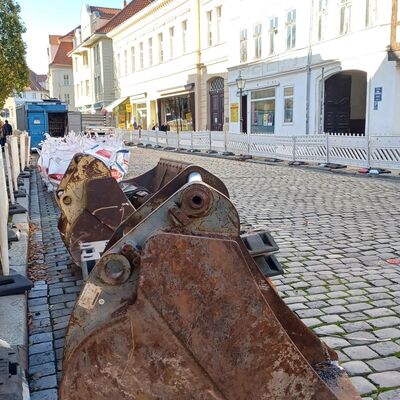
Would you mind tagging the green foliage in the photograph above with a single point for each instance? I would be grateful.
(14, 72)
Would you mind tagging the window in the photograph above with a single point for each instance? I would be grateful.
(371, 12)
(85, 58)
(273, 30)
(160, 48)
(345, 11)
(67, 99)
(141, 59)
(33, 95)
(118, 66)
(184, 36)
(322, 18)
(263, 111)
(150, 51)
(243, 45)
(81, 88)
(171, 41)
(66, 80)
(87, 87)
(219, 15)
(125, 62)
(288, 104)
(291, 29)
(133, 59)
(257, 40)
(77, 91)
(76, 63)
(209, 28)
(96, 54)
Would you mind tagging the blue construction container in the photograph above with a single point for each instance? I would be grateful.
(38, 118)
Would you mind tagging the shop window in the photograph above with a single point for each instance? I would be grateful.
(345, 16)
(67, 99)
(291, 29)
(243, 45)
(273, 30)
(288, 105)
(177, 113)
(263, 111)
(257, 40)
(141, 116)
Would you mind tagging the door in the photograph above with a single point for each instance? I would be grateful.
(337, 103)
(244, 114)
(37, 126)
(217, 104)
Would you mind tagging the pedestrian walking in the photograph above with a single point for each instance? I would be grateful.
(2, 141)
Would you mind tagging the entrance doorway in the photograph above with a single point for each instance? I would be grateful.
(217, 104)
(345, 102)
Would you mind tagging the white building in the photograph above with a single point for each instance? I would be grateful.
(92, 59)
(171, 65)
(60, 75)
(313, 66)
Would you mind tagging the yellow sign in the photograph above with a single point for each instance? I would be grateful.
(128, 108)
(234, 112)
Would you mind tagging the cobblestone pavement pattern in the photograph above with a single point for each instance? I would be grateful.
(335, 234)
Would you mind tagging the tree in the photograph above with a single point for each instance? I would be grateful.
(14, 72)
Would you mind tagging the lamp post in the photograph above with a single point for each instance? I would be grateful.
(240, 83)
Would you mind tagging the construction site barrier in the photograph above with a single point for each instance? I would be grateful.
(3, 219)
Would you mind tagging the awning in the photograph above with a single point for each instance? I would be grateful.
(115, 103)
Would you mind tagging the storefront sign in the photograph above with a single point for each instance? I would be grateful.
(128, 108)
(234, 112)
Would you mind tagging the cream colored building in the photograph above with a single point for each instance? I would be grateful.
(92, 60)
(60, 76)
(171, 66)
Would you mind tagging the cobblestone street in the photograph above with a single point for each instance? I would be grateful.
(335, 235)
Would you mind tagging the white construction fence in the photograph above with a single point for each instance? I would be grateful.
(342, 149)
(12, 161)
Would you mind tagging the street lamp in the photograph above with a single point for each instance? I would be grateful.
(240, 83)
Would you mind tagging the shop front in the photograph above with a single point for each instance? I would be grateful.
(263, 111)
(176, 113)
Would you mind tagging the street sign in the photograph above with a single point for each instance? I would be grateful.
(378, 94)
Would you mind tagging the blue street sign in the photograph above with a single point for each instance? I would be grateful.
(378, 94)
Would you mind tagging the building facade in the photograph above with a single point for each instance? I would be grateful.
(171, 66)
(92, 60)
(313, 66)
(60, 75)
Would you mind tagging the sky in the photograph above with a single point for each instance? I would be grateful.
(51, 17)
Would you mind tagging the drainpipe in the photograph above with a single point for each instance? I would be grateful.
(309, 58)
(198, 71)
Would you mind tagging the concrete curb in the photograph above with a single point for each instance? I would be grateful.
(13, 309)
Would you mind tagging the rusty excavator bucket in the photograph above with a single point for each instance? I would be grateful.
(180, 306)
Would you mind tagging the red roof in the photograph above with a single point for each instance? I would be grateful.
(61, 57)
(70, 34)
(53, 39)
(34, 82)
(131, 9)
(105, 12)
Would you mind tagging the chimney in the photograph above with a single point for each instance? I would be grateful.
(124, 3)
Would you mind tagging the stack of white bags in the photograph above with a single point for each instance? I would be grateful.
(57, 153)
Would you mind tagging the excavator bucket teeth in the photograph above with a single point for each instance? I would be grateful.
(178, 308)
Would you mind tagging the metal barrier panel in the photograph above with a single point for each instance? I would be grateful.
(311, 148)
(385, 152)
(14, 158)
(237, 143)
(218, 141)
(201, 140)
(27, 149)
(348, 150)
(3, 219)
(173, 139)
(162, 139)
(185, 140)
(22, 150)
(271, 146)
(9, 173)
